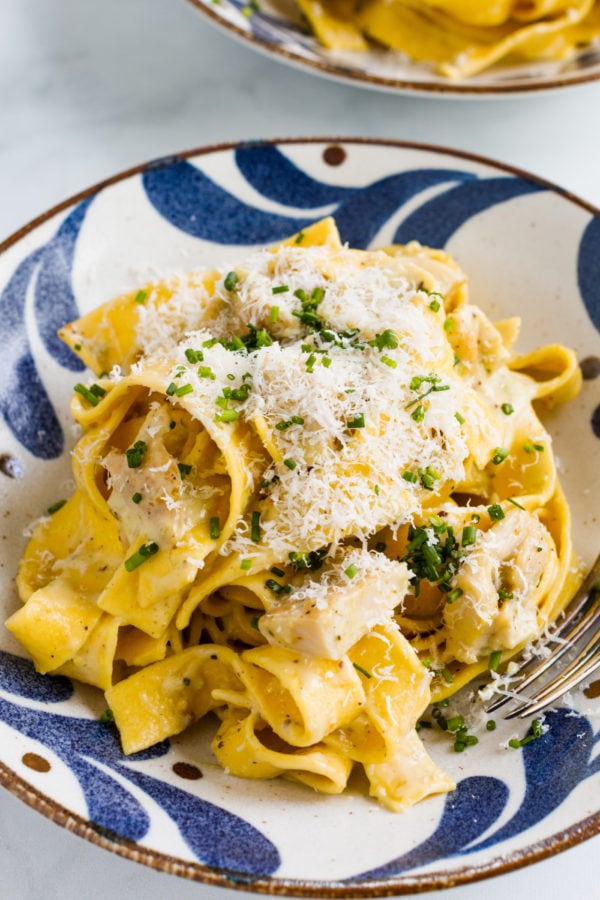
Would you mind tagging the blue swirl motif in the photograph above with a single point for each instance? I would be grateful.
(554, 765)
(217, 838)
(24, 402)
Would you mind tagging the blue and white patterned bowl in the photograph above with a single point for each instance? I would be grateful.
(277, 28)
(529, 248)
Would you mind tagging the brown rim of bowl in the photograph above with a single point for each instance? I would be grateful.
(456, 89)
(400, 885)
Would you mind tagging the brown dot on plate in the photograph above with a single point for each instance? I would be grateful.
(592, 690)
(334, 155)
(36, 762)
(10, 466)
(590, 367)
(187, 770)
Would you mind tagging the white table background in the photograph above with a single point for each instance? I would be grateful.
(91, 87)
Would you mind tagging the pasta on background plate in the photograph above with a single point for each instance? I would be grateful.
(312, 495)
(460, 38)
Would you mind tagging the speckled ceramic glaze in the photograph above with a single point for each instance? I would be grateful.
(276, 27)
(529, 249)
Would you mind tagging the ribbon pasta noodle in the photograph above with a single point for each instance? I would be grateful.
(312, 494)
(460, 38)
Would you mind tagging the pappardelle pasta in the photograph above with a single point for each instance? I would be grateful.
(312, 495)
(460, 38)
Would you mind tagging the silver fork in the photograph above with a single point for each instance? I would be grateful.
(582, 617)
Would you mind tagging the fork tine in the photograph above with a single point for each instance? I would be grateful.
(577, 671)
(584, 612)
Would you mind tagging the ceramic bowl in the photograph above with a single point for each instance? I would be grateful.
(277, 28)
(528, 248)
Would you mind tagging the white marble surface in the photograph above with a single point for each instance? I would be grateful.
(90, 88)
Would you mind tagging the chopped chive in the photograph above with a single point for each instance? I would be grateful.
(275, 586)
(194, 356)
(434, 305)
(55, 507)
(456, 723)
(87, 394)
(254, 622)
(362, 671)
(515, 743)
(183, 390)
(171, 388)
(351, 571)
(469, 535)
(454, 595)
(184, 469)
(141, 297)
(428, 477)
(496, 512)
(500, 454)
(297, 420)
(490, 725)
(246, 564)
(410, 476)
(107, 716)
(514, 503)
(357, 422)
(228, 415)
(290, 463)
(449, 324)
(494, 660)
(231, 279)
(214, 528)
(280, 289)
(299, 237)
(141, 555)
(507, 408)
(538, 447)
(136, 498)
(418, 414)
(255, 528)
(277, 571)
(274, 315)
(390, 363)
(135, 454)
(460, 419)
(77, 347)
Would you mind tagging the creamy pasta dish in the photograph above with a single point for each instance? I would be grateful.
(459, 38)
(313, 494)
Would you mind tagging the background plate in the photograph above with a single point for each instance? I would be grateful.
(278, 30)
(528, 247)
